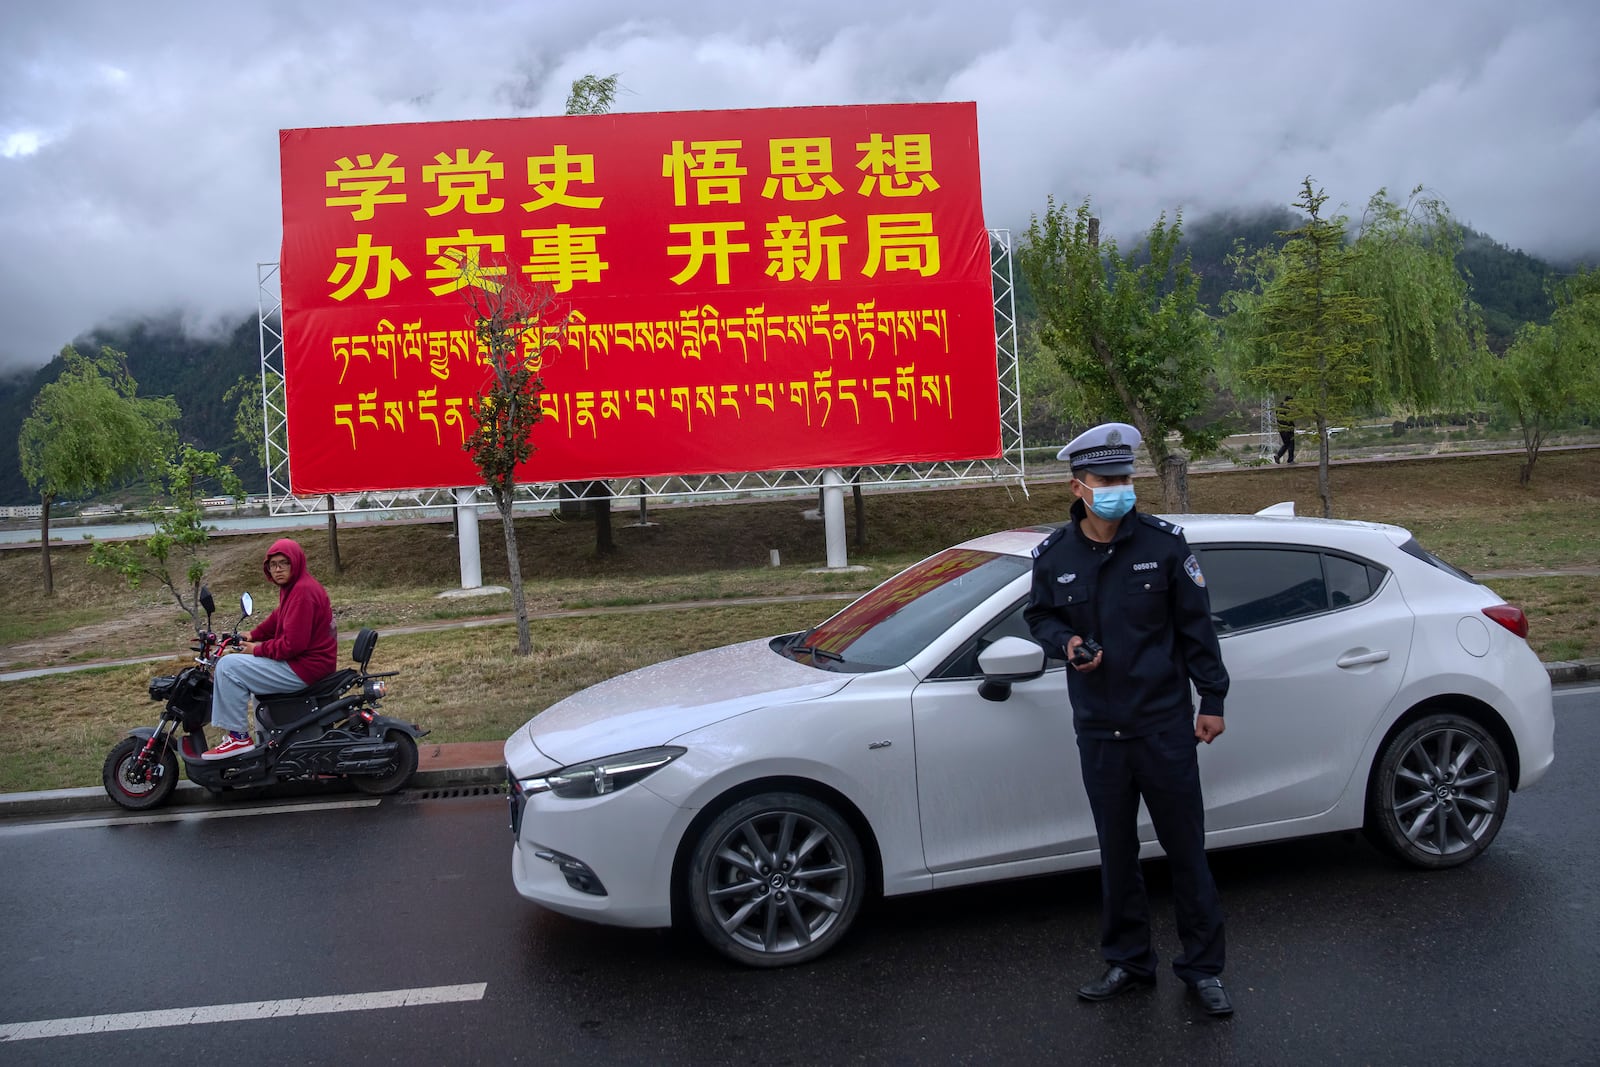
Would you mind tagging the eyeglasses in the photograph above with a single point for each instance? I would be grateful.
(278, 564)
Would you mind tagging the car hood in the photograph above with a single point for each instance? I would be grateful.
(655, 704)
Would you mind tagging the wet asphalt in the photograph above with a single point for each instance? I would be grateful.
(1336, 954)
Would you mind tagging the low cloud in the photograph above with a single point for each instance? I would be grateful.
(138, 142)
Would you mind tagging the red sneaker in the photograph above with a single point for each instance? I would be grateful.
(230, 746)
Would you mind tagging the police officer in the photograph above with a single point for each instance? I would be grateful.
(1121, 594)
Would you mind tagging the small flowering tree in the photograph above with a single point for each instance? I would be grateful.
(517, 327)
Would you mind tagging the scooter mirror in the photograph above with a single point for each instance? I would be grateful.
(248, 603)
(206, 603)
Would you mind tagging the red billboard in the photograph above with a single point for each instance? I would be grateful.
(745, 290)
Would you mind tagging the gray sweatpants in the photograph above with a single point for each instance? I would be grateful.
(236, 677)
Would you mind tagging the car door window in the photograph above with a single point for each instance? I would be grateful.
(964, 663)
(1259, 586)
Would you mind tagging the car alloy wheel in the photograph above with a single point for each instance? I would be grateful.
(776, 879)
(1440, 792)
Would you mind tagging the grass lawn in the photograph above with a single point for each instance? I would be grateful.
(467, 685)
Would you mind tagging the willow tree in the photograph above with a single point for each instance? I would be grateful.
(87, 431)
(1403, 256)
(1128, 332)
(517, 325)
(1343, 322)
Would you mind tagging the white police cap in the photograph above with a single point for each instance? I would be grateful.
(1106, 449)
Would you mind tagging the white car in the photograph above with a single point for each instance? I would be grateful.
(921, 739)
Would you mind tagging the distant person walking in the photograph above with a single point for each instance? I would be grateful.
(1285, 433)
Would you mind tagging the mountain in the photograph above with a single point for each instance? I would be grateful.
(1507, 283)
(165, 361)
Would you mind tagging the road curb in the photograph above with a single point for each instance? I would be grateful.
(1565, 672)
(94, 800)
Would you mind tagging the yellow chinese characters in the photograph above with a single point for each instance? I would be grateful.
(713, 166)
(901, 167)
(363, 183)
(564, 254)
(803, 248)
(458, 262)
(802, 169)
(464, 183)
(360, 259)
(902, 242)
(551, 177)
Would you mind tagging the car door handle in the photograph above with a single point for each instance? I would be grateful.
(1358, 659)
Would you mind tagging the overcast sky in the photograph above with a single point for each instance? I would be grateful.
(139, 149)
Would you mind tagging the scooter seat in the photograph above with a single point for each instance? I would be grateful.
(282, 711)
(334, 683)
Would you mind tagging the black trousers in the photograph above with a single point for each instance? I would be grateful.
(1287, 437)
(1162, 769)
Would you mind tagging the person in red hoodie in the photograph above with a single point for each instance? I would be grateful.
(293, 647)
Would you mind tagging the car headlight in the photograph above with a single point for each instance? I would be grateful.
(599, 777)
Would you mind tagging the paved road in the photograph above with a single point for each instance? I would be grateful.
(1336, 954)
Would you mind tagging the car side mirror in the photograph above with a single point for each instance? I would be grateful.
(248, 604)
(1007, 661)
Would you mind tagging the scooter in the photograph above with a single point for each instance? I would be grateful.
(331, 729)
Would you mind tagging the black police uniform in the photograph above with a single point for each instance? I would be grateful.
(1143, 597)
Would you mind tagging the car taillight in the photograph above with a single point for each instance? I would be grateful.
(1510, 617)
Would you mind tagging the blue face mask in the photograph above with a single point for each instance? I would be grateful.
(1111, 502)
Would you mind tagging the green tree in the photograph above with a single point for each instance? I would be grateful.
(1130, 335)
(1346, 323)
(1308, 332)
(181, 533)
(87, 431)
(1553, 371)
(1404, 258)
(592, 95)
(517, 327)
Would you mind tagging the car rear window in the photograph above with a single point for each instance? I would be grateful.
(1412, 548)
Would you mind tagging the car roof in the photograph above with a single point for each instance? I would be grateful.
(1276, 528)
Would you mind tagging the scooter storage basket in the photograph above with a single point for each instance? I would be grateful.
(188, 693)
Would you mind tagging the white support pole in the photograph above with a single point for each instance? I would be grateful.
(833, 517)
(467, 539)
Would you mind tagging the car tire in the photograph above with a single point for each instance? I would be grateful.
(776, 879)
(1439, 792)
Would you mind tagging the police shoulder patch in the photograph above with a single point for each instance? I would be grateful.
(1191, 567)
(1161, 524)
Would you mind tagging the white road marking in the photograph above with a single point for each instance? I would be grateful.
(183, 816)
(229, 1013)
(1581, 691)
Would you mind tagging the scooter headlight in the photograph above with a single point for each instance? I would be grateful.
(596, 778)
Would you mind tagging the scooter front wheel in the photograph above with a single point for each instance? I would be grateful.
(405, 759)
(134, 787)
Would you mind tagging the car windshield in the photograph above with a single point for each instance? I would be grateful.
(902, 616)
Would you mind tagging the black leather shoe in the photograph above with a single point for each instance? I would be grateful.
(1213, 998)
(1115, 981)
